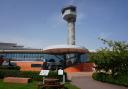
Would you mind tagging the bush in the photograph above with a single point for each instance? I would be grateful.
(9, 73)
(119, 80)
(17, 73)
(112, 58)
(29, 74)
(54, 74)
(10, 67)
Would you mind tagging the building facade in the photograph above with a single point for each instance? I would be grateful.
(19, 53)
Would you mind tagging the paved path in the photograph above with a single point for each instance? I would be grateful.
(89, 83)
(86, 82)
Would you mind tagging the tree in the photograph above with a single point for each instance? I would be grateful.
(112, 58)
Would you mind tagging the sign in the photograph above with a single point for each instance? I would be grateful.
(60, 72)
(44, 72)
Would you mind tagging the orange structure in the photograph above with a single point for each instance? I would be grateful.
(17, 80)
(27, 65)
(82, 67)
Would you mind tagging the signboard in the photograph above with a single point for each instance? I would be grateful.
(60, 72)
(44, 72)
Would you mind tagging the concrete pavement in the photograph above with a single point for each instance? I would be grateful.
(86, 82)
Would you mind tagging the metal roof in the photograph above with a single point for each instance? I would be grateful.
(63, 49)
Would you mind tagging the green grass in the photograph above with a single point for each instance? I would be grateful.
(32, 85)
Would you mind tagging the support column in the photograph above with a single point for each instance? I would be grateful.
(71, 33)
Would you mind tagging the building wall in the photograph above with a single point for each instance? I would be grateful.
(27, 65)
(23, 56)
(82, 67)
(26, 60)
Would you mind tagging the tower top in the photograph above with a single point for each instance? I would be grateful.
(71, 7)
(69, 13)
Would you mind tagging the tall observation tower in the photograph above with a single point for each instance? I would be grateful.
(69, 14)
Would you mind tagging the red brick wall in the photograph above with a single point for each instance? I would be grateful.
(83, 67)
(26, 65)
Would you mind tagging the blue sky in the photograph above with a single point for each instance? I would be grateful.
(39, 23)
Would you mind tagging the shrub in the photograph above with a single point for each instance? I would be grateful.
(112, 58)
(31, 74)
(10, 67)
(54, 74)
(17, 73)
(9, 73)
(119, 79)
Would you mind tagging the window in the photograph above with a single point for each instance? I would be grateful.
(35, 65)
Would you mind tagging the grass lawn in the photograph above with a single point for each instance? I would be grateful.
(32, 85)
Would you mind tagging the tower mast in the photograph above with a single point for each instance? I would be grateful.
(69, 14)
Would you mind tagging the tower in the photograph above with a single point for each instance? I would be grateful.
(69, 14)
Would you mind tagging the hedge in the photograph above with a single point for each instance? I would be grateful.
(28, 74)
(31, 74)
(10, 67)
(119, 79)
(10, 73)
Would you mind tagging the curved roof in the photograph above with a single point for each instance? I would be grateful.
(68, 7)
(63, 49)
